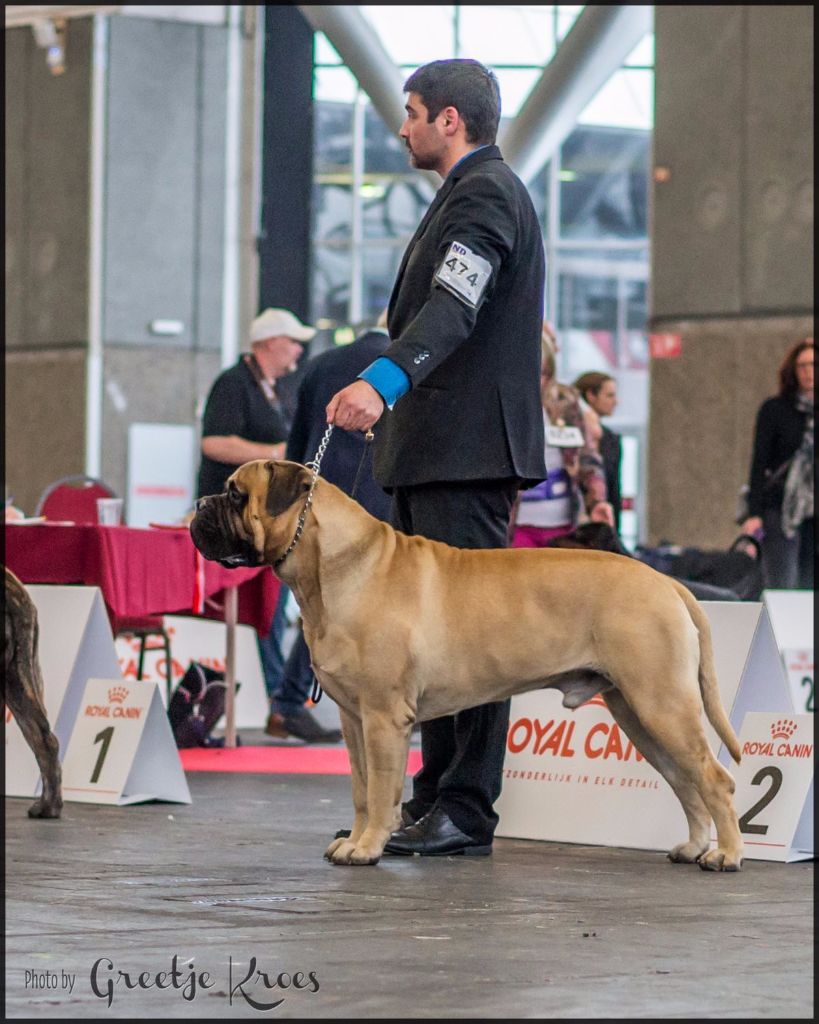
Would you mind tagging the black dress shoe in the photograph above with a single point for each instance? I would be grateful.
(435, 835)
(406, 819)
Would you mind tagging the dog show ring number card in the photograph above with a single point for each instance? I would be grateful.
(774, 794)
(122, 749)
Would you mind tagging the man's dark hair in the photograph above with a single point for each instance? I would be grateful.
(466, 85)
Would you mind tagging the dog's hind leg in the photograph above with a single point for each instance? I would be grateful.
(30, 715)
(354, 738)
(680, 735)
(696, 813)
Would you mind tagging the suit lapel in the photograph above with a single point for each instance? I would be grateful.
(440, 195)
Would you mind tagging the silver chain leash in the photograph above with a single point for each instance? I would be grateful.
(314, 465)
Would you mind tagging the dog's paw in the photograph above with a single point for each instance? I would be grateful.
(44, 810)
(331, 849)
(720, 860)
(687, 853)
(351, 853)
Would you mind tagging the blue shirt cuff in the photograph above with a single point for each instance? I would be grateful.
(388, 379)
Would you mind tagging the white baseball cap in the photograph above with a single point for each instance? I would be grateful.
(270, 323)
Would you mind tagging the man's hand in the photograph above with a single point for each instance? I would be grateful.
(356, 407)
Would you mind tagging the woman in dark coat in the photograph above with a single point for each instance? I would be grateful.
(780, 499)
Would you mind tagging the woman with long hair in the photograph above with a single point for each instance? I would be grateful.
(780, 498)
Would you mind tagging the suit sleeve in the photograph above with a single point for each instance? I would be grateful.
(479, 216)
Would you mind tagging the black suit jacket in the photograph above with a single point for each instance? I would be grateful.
(611, 452)
(323, 376)
(473, 411)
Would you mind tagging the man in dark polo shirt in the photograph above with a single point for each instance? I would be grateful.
(245, 419)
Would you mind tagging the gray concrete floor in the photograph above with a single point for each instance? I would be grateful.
(539, 930)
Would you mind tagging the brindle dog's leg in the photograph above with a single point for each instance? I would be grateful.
(23, 695)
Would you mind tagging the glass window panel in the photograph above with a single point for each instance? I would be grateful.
(324, 52)
(380, 268)
(332, 138)
(413, 35)
(604, 184)
(392, 207)
(332, 211)
(586, 323)
(336, 84)
(331, 285)
(567, 15)
(515, 85)
(643, 53)
(501, 34)
(625, 101)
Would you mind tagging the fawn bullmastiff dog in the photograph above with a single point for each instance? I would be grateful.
(23, 694)
(404, 629)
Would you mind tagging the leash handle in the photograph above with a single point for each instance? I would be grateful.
(368, 437)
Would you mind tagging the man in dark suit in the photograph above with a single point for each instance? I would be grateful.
(346, 464)
(461, 381)
(599, 391)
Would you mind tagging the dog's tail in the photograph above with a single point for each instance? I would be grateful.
(709, 687)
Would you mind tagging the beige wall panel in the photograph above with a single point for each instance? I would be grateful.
(45, 417)
(149, 386)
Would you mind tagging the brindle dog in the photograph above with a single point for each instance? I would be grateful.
(23, 694)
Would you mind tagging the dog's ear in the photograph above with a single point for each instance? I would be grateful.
(288, 481)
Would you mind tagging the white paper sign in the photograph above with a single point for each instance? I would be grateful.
(774, 794)
(573, 776)
(161, 461)
(791, 613)
(75, 642)
(122, 749)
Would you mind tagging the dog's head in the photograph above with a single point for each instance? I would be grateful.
(253, 520)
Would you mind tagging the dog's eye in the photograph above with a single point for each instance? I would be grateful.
(235, 496)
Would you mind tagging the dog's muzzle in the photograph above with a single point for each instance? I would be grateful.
(213, 532)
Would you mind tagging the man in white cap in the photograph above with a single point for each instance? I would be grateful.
(245, 420)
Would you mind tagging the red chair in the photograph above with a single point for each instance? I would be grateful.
(74, 499)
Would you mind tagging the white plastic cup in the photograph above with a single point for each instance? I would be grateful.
(109, 511)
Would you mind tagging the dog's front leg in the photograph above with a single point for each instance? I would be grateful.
(354, 738)
(386, 744)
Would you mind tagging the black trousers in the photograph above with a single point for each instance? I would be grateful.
(462, 753)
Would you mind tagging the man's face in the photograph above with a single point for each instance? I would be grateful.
(425, 140)
(281, 354)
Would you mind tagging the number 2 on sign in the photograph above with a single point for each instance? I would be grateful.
(105, 738)
(775, 775)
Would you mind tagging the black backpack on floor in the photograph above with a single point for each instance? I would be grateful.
(196, 705)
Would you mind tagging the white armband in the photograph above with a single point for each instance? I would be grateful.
(464, 273)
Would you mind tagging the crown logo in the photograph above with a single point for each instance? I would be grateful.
(783, 729)
(117, 694)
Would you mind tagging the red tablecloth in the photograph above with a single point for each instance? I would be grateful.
(139, 571)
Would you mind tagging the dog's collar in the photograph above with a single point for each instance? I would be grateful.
(315, 466)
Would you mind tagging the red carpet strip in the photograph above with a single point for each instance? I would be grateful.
(277, 760)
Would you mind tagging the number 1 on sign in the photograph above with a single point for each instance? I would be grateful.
(105, 737)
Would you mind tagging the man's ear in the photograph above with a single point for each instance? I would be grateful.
(288, 481)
